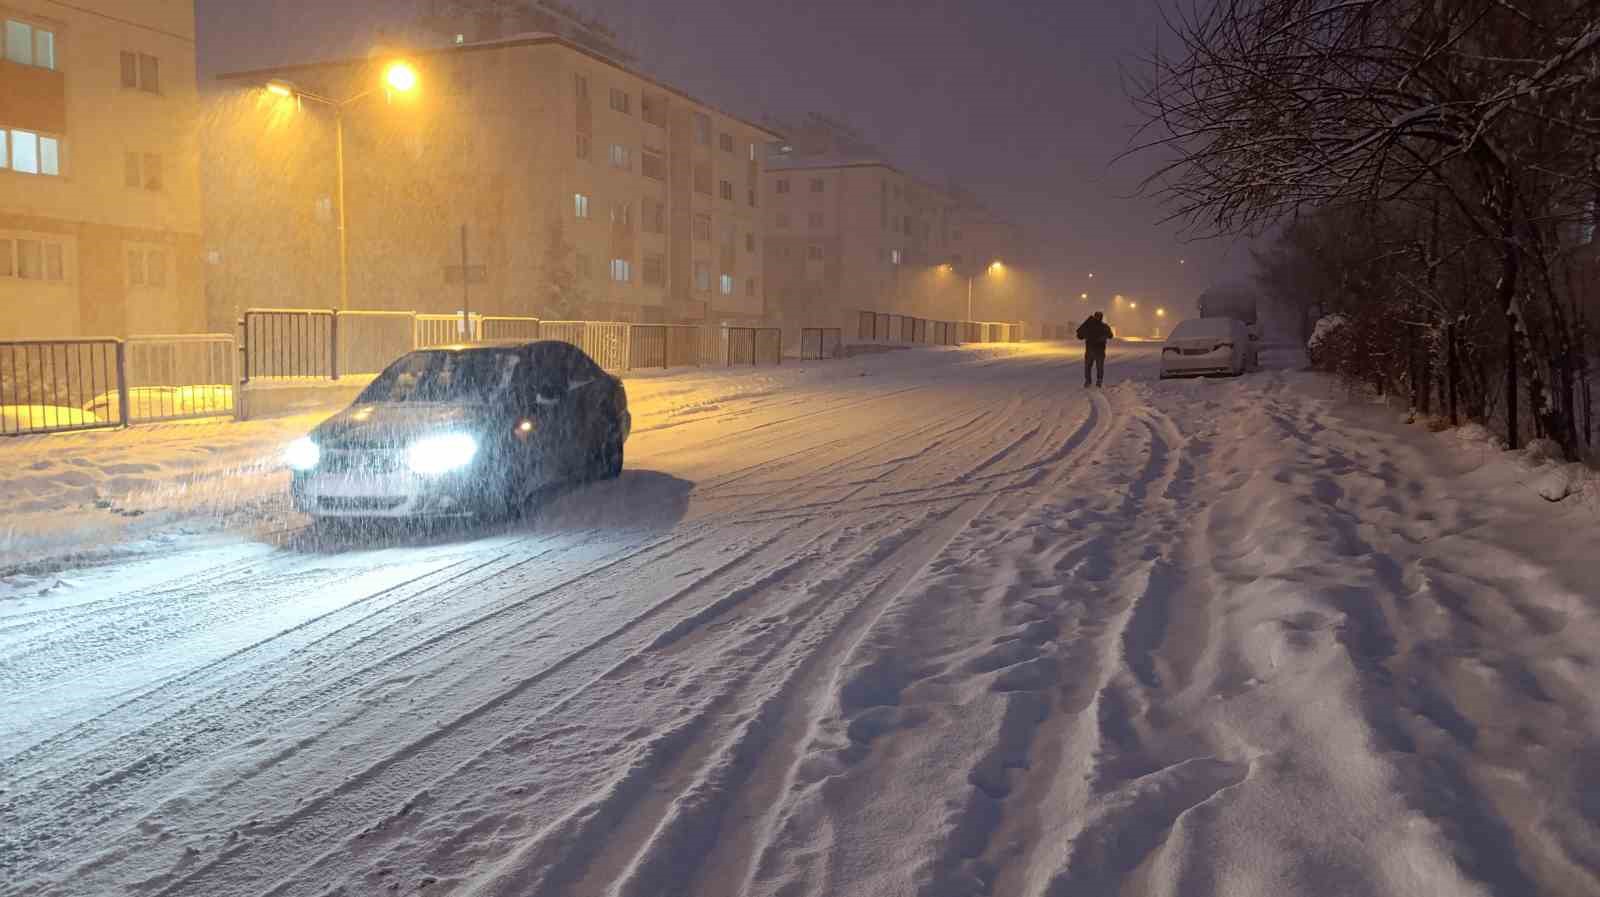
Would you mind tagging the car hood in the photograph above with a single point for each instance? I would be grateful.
(398, 423)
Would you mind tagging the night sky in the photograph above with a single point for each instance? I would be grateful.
(1021, 101)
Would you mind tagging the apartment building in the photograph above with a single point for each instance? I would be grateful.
(585, 188)
(849, 231)
(99, 188)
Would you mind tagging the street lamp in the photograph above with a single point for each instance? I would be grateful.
(398, 77)
(1161, 312)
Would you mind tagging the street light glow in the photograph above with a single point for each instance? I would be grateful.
(1083, 295)
(401, 77)
(1161, 312)
(1133, 305)
(280, 88)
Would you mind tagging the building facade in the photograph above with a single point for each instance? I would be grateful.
(848, 231)
(584, 188)
(99, 189)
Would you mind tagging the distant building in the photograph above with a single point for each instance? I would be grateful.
(99, 186)
(849, 231)
(587, 189)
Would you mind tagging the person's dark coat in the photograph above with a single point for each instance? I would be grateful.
(1095, 333)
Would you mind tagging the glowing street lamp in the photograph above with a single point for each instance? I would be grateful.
(1084, 296)
(1161, 312)
(1133, 305)
(398, 77)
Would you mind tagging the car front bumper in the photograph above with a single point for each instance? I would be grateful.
(391, 495)
(1173, 365)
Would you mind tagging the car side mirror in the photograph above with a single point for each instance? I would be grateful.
(550, 394)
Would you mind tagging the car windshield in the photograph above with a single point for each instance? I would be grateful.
(1203, 328)
(476, 376)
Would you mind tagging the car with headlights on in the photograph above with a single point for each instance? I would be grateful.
(1201, 346)
(470, 429)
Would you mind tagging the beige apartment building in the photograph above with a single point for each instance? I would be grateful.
(586, 189)
(846, 235)
(99, 189)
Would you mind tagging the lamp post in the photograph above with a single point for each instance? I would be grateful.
(399, 77)
(994, 267)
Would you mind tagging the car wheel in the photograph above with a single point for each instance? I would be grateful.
(611, 459)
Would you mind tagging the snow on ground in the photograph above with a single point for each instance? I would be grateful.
(934, 622)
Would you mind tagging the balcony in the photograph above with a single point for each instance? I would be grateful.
(33, 98)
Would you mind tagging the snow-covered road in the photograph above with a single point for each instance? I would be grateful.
(935, 623)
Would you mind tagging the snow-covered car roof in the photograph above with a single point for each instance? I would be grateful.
(1200, 327)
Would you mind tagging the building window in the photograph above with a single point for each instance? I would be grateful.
(28, 152)
(653, 109)
(620, 101)
(141, 71)
(141, 171)
(653, 164)
(814, 252)
(654, 214)
(727, 284)
(895, 256)
(27, 44)
(702, 129)
(32, 259)
(622, 213)
(621, 270)
(702, 277)
(702, 227)
(749, 242)
(726, 142)
(783, 220)
(725, 190)
(814, 220)
(621, 158)
(580, 87)
(583, 146)
(816, 185)
(750, 196)
(750, 287)
(580, 265)
(702, 178)
(147, 267)
(783, 185)
(655, 269)
(752, 152)
(580, 205)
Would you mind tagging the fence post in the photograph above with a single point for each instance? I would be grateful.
(122, 382)
(333, 345)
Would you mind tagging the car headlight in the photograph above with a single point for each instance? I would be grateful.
(441, 454)
(302, 454)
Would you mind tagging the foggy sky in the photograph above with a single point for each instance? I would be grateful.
(1019, 100)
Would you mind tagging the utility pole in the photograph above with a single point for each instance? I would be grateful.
(466, 280)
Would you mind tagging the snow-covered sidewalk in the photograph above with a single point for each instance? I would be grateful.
(932, 623)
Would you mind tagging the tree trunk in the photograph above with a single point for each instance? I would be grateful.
(1507, 294)
(1452, 374)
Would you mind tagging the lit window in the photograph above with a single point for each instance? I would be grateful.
(895, 257)
(49, 156)
(620, 157)
(752, 152)
(727, 284)
(29, 45)
(580, 205)
(621, 270)
(25, 152)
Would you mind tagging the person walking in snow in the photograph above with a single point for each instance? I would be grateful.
(1095, 333)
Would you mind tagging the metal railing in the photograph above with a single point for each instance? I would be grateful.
(754, 345)
(607, 342)
(367, 341)
(45, 385)
(288, 343)
(177, 376)
(496, 327)
(818, 343)
(664, 345)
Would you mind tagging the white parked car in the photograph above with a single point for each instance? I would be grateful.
(1201, 346)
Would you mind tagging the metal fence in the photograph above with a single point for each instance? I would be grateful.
(288, 343)
(665, 345)
(45, 385)
(494, 327)
(178, 376)
(820, 342)
(754, 345)
(367, 341)
(885, 327)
